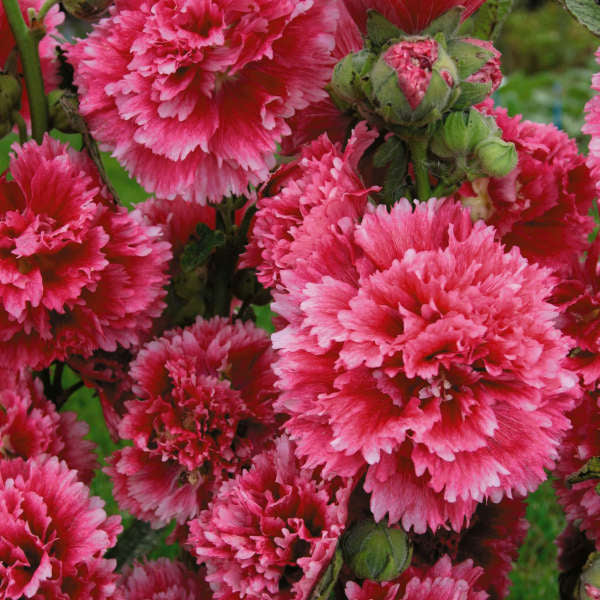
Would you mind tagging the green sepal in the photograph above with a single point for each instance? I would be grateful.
(348, 80)
(375, 551)
(496, 157)
(487, 22)
(472, 92)
(324, 588)
(469, 58)
(448, 23)
(10, 96)
(380, 30)
(197, 251)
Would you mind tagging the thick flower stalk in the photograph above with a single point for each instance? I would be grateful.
(77, 273)
(417, 348)
(193, 97)
(271, 531)
(52, 534)
(205, 407)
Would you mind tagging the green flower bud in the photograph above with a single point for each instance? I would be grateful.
(413, 82)
(59, 118)
(89, 10)
(588, 587)
(350, 76)
(10, 96)
(496, 157)
(374, 551)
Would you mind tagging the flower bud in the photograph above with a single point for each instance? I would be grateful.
(496, 157)
(374, 551)
(413, 82)
(348, 81)
(89, 10)
(59, 119)
(588, 587)
(10, 96)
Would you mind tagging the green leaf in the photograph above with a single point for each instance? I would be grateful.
(196, 253)
(324, 588)
(394, 184)
(591, 470)
(448, 23)
(587, 12)
(489, 19)
(391, 149)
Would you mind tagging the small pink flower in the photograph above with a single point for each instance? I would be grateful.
(52, 534)
(271, 531)
(303, 199)
(30, 426)
(162, 579)
(542, 205)
(205, 407)
(192, 97)
(76, 273)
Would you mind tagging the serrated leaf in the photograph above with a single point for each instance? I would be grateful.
(487, 22)
(196, 252)
(380, 30)
(391, 149)
(394, 185)
(587, 12)
(324, 587)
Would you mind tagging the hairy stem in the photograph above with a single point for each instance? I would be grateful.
(418, 155)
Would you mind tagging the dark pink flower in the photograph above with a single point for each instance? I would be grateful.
(205, 406)
(542, 205)
(305, 198)
(581, 502)
(492, 541)
(592, 128)
(76, 273)
(52, 534)
(192, 97)
(415, 346)
(31, 426)
(162, 579)
(47, 46)
(271, 531)
(442, 581)
(412, 16)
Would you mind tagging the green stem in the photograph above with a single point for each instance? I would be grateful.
(45, 8)
(27, 42)
(21, 126)
(418, 155)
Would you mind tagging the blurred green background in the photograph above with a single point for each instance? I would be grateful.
(548, 63)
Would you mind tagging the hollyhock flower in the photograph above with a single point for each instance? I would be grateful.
(491, 541)
(412, 16)
(580, 502)
(542, 205)
(271, 531)
(443, 581)
(416, 347)
(205, 407)
(592, 127)
(304, 198)
(578, 297)
(192, 97)
(162, 579)
(76, 273)
(52, 534)
(31, 426)
(48, 61)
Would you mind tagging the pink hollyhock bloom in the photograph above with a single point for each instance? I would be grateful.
(52, 534)
(192, 97)
(76, 273)
(305, 198)
(592, 128)
(443, 581)
(162, 579)
(412, 16)
(271, 531)
(206, 394)
(580, 502)
(48, 61)
(578, 296)
(413, 61)
(542, 205)
(492, 541)
(418, 348)
(31, 426)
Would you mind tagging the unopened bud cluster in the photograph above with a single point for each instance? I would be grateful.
(10, 100)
